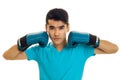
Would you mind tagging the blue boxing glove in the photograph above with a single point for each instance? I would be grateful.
(76, 38)
(32, 38)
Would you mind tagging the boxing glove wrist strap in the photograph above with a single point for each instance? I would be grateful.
(22, 44)
(94, 41)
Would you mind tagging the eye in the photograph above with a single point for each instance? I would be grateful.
(62, 27)
(51, 27)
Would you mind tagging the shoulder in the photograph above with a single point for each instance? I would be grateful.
(37, 47)
(83, 46)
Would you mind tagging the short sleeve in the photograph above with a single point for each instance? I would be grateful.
(88, 51)
(32, 53)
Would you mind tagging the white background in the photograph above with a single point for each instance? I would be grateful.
(99, 17)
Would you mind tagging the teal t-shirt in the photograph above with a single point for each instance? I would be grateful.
(67, 64)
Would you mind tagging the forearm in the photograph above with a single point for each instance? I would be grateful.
(106, 47)
(12, 53)
(17, 52)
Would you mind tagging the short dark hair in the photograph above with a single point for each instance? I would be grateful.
(57, 14)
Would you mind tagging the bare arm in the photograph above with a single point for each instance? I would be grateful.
(106, 47)
(14, 54)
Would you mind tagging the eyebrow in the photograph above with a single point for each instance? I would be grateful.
(58, 26)
(62, 26)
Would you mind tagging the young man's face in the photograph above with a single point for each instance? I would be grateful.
(57, 31)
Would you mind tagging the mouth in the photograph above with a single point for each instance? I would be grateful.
(56, 39)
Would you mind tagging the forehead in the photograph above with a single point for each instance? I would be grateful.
(55, 23)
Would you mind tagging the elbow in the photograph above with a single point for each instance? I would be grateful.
(108, 47)
(113, 50)
(6, 57)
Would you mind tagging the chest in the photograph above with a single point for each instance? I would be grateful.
(66, 57)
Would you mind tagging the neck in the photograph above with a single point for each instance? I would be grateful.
(59, 47)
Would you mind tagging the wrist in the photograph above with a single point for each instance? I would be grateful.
(94, 41)
(22, 44)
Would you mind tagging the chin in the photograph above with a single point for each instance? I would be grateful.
(57, 43)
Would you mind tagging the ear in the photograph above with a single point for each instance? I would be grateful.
(46, 28)
(68, 26)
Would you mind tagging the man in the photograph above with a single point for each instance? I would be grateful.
(61, 59)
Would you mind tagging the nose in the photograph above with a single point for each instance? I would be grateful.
(56, 32)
